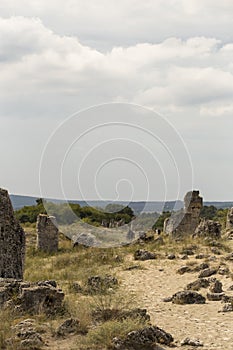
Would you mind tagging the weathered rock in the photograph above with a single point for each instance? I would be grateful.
(208, 228)
(227, 308)
(47, 233)
(201, 267)
(187, 251)
(191, 342)
(198, 284)
(171, 256)
(201, 256)
(229, 223)
(185, 221)
(216, 286)
(67, 327)
(31, 298)
(208, 272)
(12, 240)
(215, 296)
(188, 297)
(29, 337)
(227, 299)
(183, 269)
(98, 284)
(223, 270)
(229, 257)
(142, 254)
(143, 339)
(85, 239)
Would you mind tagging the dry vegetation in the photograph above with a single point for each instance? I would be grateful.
(75, 265)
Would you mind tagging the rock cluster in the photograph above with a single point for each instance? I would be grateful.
(31, 298)
(208, 228)
(229, 224)
(12, 240)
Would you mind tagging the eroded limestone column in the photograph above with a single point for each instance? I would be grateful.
(12, 240)
(47, 233)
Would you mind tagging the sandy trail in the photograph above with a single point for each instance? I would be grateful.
(160, 280)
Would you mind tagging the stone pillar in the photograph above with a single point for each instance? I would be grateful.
(47, 233)
(229, 224)
(185, 221)
(12, 240)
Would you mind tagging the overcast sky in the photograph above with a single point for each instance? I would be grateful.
(174, 57)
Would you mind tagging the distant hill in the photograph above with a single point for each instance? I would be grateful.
(149, 207)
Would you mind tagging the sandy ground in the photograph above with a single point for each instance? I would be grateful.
(159, 280)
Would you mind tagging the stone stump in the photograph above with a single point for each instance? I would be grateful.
(12, 241)
(47, 233)
(229, 224)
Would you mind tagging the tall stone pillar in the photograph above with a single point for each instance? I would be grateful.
(12, 240)
(47, 233)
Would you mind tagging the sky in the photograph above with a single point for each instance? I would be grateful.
(115, 71)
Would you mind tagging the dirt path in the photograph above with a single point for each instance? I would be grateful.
(160, 280)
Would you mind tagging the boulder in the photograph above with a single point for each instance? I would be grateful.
(188, 297)
(143, 339)
(198, 284)
(208, 272)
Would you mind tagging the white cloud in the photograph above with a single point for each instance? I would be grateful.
(48, 73)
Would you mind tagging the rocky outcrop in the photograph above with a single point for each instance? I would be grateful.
(12, 240)
(208, 228)
(47, 233)
(31, 298)
(185, 221)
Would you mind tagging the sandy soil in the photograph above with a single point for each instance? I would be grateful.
(159, 280)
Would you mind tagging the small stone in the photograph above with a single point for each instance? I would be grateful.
(171, 256)
(143, 255)
(184, 257)
(223, 270)
(216, 287)
(201, 256)
(69, 326)
(183, 269)
(207, 272)
(191, 342)
(215, 296)
(227, 308)
(202, 266)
